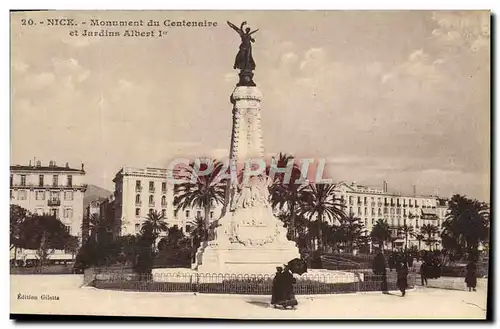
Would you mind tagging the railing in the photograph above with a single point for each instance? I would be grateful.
(138, 203)
(54, 202)
(138, 188)
(219, 283)
(47, 186)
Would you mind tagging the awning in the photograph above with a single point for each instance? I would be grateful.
(429, 214)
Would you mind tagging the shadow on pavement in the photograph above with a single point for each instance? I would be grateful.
(258, 303)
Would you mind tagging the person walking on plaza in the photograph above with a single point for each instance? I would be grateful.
(277, 290)
(471, 276)
(379, 269)
(402, 282)
(424, 269)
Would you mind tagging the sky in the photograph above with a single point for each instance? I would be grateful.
(400, 96)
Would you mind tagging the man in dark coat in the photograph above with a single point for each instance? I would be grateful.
(471, 276)
(277, 290)
(424, 272)
(402, 282)
(379, 269)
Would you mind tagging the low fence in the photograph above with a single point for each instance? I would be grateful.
(218, 283)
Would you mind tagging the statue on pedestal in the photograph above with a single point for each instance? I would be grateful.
(244, 59)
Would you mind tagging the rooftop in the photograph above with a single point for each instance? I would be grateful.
(44, 169)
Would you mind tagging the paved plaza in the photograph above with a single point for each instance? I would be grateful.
(419, 303)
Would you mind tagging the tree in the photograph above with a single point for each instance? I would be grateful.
(466, 225)
(43, 233)
(175, 236)
(153, 226)
(286, 194)
(429, 230)
(203, 191)
(406, 230)
(419, 237)
(381, 232)
(352, 230)
(319, 201)
(17, 217)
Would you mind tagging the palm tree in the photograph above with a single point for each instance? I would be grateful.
(466, 225)
(352, 229)
(381, 232)
(429, 230)
(419, 237)
(406, 231)
(203, 191)
(318, 201)
(285, 194)
(153, 226)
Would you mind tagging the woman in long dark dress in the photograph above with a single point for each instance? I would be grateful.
(402, 282)
(276, 289)
(286, 281)
(471, 276)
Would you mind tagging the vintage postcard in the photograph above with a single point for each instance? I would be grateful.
(250, 164)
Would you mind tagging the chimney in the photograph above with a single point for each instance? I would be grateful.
(414, 190)
(38, 163)
(385, 187)
(82, 167)
(30, 163)
(67, 165)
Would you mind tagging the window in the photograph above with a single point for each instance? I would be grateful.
(137, 199)
(366, 221)
(175, 213)
(137, 185)
(54, 195)
(67, 228)
(40, 180)
(379, 211)
(11, 194)
(385, 210)
(54, 212)
(39, 211)
(163, 201)
(23, 180)
(350, 199)
(366, 211)
(151, 200)
(151, 186)
(151, 210)
(21, 195)
(211, 214)
(350, 210)
(40, 195)
(137, 212)
(398, 211)
(55, 180)
(359, 210)
(11, 179)
(188, 228)
(416, 223)
(68, 195)
(366, 200)
(359, 199)
(404, 212)
(163, 187)
(373, 211)
(373, 221)
(70, 180)
(68, 213)
(198, 213)
(137, 228)
(164, 212)
(187, 213)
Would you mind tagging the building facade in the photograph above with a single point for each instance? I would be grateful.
(50, 189)
(372, 204)
(139, 191)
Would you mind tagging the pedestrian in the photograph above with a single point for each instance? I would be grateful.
(276, 289)
(471, 276)
(424, 272)
(402, 282)
(286, 296)
(379, 269)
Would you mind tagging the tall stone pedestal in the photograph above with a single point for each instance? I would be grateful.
(249, 239)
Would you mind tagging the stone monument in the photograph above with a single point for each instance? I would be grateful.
(249, 239)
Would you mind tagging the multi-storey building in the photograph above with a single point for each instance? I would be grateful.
(372, 204)
(51, 190)
(139, 191)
